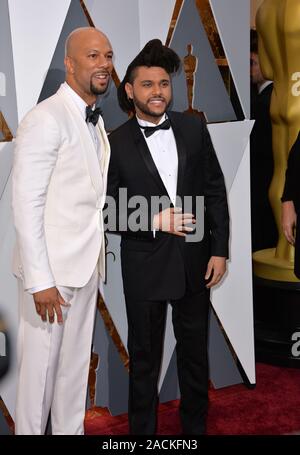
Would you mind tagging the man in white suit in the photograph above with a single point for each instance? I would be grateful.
(59, 186)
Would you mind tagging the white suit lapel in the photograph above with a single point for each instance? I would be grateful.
(105, 155)
(88, 146)
(104, 145)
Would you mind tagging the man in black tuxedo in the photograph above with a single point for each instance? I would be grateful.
(161, 261)
(264, 231)
(290, 207)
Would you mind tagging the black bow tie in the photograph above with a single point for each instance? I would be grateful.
(92, 115)
(148, 130)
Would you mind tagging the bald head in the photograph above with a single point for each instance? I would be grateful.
(88, 61)
(78, 36)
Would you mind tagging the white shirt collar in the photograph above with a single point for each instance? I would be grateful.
(145, 123)
(263, 86)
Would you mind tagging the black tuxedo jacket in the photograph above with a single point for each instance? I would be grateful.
(264, 230)
(165, 266)
(291, 192)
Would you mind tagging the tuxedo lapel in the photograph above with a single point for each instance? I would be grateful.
(88, 147)
(182, 154)
(104, 147)
(146, 155)
(105, 156)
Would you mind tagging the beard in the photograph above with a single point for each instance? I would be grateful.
(143, 107)
(98, 91)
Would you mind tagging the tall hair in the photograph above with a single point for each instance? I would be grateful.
(153, 54)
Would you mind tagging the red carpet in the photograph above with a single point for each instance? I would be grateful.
(272, 408)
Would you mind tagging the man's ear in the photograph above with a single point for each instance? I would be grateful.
(129, 90)
(69, 64)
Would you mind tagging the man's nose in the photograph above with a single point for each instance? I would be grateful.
(156, 89)
(102, 62)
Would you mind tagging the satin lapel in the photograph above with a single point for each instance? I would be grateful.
(182, 154)
(146, 155)
(104, 146)
(105, 155)
(88, 147)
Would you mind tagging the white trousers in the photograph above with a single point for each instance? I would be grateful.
(54, 363)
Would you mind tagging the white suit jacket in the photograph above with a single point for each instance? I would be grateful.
(59, 189)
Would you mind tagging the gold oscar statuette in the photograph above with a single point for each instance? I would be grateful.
(190, 68)
(278, 27)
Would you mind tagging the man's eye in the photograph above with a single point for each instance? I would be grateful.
(92, 55)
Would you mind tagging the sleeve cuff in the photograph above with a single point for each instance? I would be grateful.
(42, 287)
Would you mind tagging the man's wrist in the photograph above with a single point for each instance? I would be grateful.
(42, 287)
(288, 202)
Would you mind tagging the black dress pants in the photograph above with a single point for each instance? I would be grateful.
(146, 326)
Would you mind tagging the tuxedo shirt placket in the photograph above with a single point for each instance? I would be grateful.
(163, 149)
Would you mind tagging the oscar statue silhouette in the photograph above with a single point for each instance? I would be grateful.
(5, 134)
(190, 68)
(94, 411)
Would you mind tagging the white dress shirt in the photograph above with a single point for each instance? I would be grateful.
(81, 104)
(163, 149)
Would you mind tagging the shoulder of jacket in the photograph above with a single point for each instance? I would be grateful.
(47, 106)
(120, 130)
(183, 118)
(47, 112)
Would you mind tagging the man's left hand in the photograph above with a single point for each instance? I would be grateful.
(215, 267)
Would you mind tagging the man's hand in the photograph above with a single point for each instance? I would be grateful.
(49, 301)
(217, 267)
(175, 222)
(288, 221)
